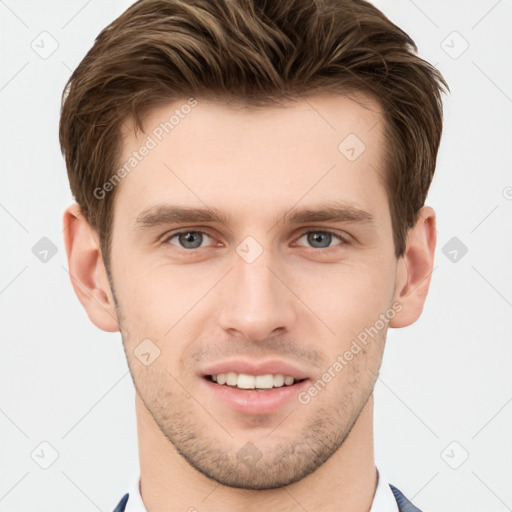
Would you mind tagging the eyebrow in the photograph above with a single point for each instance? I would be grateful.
(162, 214)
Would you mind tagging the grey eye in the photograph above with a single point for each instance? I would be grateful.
(320, 239)
(188, 239)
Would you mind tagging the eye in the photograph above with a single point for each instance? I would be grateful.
(193, 239)
(188, 239)
(322, 239)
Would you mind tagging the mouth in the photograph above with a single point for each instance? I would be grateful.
(253, 388)
(247, 382)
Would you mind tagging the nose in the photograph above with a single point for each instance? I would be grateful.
(256, 302)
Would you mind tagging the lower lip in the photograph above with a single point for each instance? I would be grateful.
(252, 401)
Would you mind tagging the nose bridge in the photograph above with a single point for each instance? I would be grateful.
(257, 302)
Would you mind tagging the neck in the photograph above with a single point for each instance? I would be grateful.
(346, 482)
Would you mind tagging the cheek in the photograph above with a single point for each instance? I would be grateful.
(159, 299)
(347, 297)
(152, 300)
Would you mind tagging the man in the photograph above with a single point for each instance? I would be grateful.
(250, 180)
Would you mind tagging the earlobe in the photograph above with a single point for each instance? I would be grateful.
(87, 271)
(415, 269)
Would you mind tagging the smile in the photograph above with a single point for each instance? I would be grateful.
(257, 382)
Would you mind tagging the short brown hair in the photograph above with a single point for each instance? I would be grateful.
(254, 53)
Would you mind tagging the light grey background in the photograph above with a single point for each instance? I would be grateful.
(444, 392)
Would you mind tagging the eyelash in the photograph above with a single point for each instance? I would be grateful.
(323, 231)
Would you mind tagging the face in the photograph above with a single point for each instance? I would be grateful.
(251, 251)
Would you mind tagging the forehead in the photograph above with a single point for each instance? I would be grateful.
(199, 153)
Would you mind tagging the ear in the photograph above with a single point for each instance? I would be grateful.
(87, 271)
(415, 269)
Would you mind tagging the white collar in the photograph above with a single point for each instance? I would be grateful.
(135, 503)
(383, 501)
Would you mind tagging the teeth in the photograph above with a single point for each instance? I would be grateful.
(278, 381)
(246, 381)
(264, 381)
(288, 381)
(231, 379)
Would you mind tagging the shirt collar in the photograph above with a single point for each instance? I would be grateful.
(383, 500)
(135, 503)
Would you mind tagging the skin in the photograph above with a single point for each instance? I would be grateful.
(295, 302)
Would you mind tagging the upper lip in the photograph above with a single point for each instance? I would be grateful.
(273, 367)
